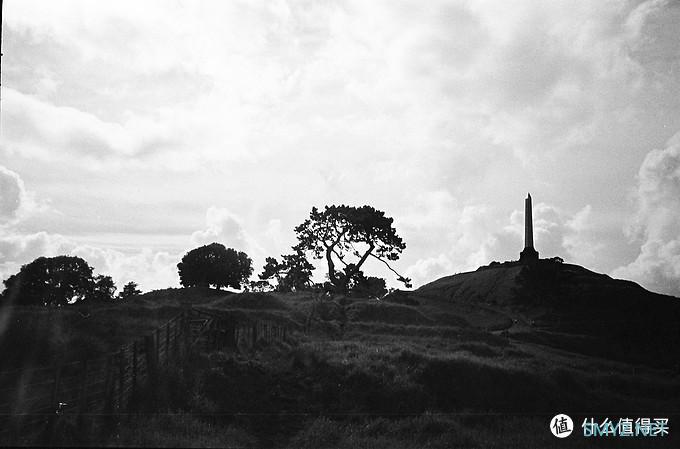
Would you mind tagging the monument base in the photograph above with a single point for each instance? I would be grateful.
(528, 255)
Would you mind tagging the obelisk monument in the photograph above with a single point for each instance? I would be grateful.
(528, 254)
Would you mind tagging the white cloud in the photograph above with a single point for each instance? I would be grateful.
(441, 114)
(149, 269)
(657, 224)
(427, 270)
(223, 226)
(275, 72)
(581, 240)
(34, 127)
(12, 194)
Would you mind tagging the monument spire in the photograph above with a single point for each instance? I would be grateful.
(528, 223)
(528, 254)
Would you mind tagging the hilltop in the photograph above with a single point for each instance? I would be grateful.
(568, 306)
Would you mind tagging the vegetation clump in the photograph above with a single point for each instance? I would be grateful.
(214, 265)
(339, 233)
(57, 281)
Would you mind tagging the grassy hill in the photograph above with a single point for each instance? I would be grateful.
(571, 307)
(481, 359)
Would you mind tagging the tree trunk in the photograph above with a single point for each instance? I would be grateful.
(331, 266)
(357, 267)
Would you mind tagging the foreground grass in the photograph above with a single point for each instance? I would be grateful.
(392, 382)
(176, 429)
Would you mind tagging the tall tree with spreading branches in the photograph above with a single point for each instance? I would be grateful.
(346, 237)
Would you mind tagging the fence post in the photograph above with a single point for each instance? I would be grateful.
(134, 368)
(52, 422)
(109, 385)
(82, 407)
(150, 356)
(167, 343)
(121, 380)
(157, 348)
(175, 333)
(186, 329)
(210, 340)
(55, 386)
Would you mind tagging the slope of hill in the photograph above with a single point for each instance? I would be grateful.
(570, 306)
(480, 359)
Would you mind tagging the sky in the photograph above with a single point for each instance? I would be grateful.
(134, 131)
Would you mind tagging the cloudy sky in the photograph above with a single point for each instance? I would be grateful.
(134, 131)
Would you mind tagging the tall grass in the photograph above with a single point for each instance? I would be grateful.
(177, 429)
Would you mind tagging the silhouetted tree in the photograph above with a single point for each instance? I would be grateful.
(293, 273)
(103, 289)
(214, 265)
(371, 286)
(53, 281)
(259, 286)
(129, 290)
(339, 232)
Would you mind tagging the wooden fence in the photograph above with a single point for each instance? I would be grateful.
(219, 332)
(34, 399)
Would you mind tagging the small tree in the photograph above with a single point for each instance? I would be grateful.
(349, 236)
(103, 289)
(371, 286)
(294, 273)
(129, 290)
(50, 281)
(214, 265)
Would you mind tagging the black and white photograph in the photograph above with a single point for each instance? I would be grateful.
(339, 224)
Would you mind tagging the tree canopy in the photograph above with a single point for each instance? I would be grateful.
(214, 265)
(293, 273)
(348, 236)
(56, 281)
(103, 289)
(129, 290)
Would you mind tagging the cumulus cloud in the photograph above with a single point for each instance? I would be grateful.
(429, 269)
(581, 239)
(12, 194)
(38, 128)
(440, 114)
(523, 76)
(225, 227)
(16, 202)
(26, 247)
(18, 249)
(656, 225)
(150, 269)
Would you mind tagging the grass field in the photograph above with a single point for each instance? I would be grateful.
(357, 373)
